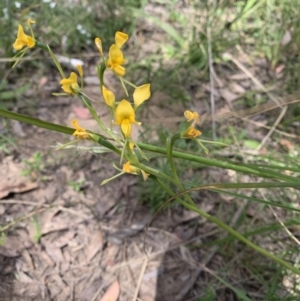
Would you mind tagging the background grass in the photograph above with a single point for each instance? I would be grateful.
(261, 28)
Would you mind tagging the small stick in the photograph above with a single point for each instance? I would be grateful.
(137, 289)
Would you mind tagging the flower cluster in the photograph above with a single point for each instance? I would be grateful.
(115, 55)
(123, 111)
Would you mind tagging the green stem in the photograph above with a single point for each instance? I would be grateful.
(92, 111)
(129, 83)
(169, 146)
(218, 163)
(37, 122)
(100, 70)
(240, 237)
(190, 157)
(167, 189)
(155, 172)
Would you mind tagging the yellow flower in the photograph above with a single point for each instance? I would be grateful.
(116, 60)
(29, 22)
(70, 85)
(191, 132)
(23, 39)
(80, 132)
(141, 94)
(109, 97)
(125, 117)
(120, 38)
(128, 168)
(192, 116)
(98, 43)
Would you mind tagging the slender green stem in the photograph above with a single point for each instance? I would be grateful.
(218, 163)
(37, 122)
(92, 111)
(100, 70)
(56, 62)
(129, 83)
(167, 189)
(41, 45)
(156, 173)
(169, 146)
(240, 237)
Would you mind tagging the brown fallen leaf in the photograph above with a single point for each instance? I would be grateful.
(11, 179)
(94, 246)
(113, 292)
(6, 189)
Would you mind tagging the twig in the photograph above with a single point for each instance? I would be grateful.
(24, 217)
(260, 124)
(281, 115)
(137, 289)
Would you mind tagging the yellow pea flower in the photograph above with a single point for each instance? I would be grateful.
(192, 133)
(98, 43)
(141, 94)
(120, 38)
(125, 117)
(80, 132)
(128, 168)
(23, 39)
(109, 97)
(70, 85)
(192, 116)
(116, 60)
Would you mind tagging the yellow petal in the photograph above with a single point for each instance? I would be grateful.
(119, 70)
(126, 128)
(30, 21)
(116, 55)
(81, 135)
(22, 39)
(191, 132)
(191, 116)
(141, 94)
(108, 96)
(125, 116)
(98, 43)
(76, 125)
(80, 70)
(115, 60)
(131, 145)
(127, 167)
(120, 38)
(30, 42)
(145, 175)
(124, 111)
(70, 85)
(80, 132)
